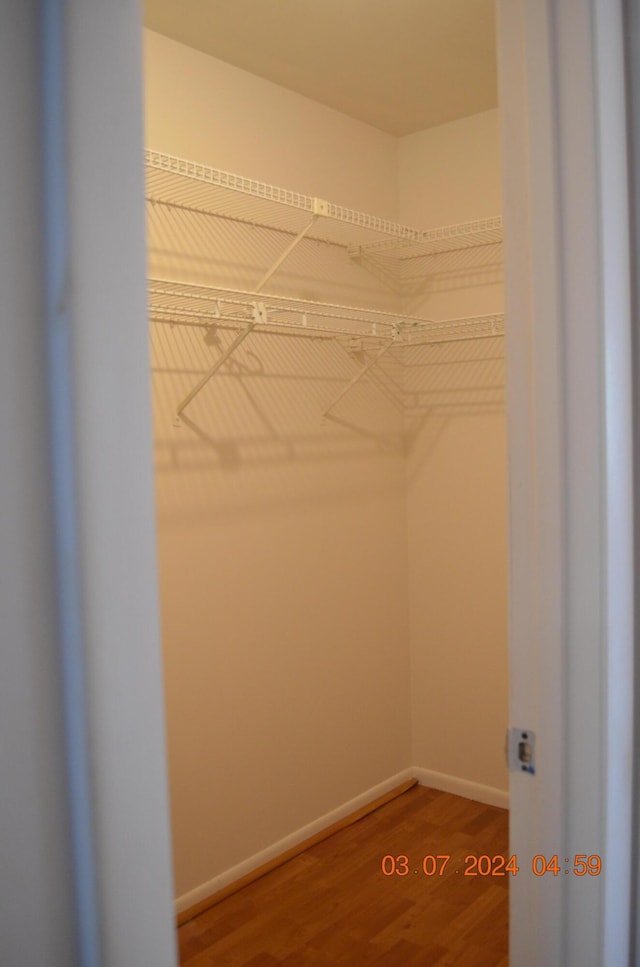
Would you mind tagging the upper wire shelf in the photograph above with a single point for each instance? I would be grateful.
(183, 184)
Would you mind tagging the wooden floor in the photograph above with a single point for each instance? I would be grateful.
(333, 906)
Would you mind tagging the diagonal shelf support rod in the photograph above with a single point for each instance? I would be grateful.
(361, 373)
(287, 252)
(259, 315)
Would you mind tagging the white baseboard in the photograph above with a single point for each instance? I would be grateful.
(207, 889)
(436, 780)
(490, 795)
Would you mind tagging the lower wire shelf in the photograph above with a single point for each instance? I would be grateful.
(183, 303)
(188, 304)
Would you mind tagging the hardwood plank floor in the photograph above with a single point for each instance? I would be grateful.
(332, 906)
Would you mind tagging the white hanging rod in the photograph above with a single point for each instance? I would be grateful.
(468, 337)
(319, 208)
(177, 302)
(438, 332)
(259, 312)
(182, 317)
(206, 300)
(463, 328)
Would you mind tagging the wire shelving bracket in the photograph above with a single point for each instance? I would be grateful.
(259, 315)
(187, 186)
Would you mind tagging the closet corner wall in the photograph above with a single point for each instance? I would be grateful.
(457, 473)
(333, 608)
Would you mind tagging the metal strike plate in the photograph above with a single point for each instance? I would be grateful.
(520, 750)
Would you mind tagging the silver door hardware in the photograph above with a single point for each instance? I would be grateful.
(520, 750)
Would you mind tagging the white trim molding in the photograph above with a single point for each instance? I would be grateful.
(425, 777)
(252, 863)
(489, 795)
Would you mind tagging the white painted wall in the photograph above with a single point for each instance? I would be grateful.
(281, 541)
(209, 111)
(456, 468)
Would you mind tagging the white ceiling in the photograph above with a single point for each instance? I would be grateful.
(400, 65)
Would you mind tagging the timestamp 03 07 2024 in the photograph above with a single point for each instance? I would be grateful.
(581, 864)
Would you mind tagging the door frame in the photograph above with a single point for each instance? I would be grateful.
(568, 368)
(569, 417)
(102, 459)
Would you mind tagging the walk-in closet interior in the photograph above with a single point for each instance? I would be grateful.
(325, 302)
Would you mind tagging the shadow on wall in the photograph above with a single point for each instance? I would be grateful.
(194, 247)
(255, 436)
(259, 435)
(448, 381)
(416, 278)
(271, 429)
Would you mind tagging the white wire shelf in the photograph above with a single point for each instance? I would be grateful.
(385, 247)
(183, 184)
(199, 188)
(448, 238)
(180, 303)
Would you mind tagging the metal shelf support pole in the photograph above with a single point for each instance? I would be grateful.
(361, 372)
(259, 315)
(285, 255)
